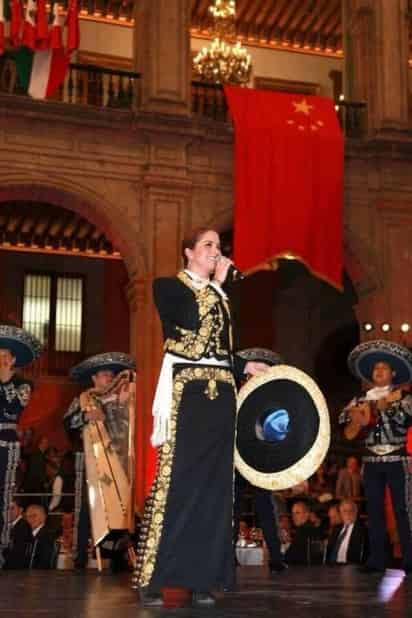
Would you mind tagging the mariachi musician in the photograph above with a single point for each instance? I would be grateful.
(382, 416)
(17, 349)
(97, 373)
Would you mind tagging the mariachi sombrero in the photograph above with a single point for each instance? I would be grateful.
(109, 361)
(283, 428)
(262, 355)
(364, 357)
(22, 344)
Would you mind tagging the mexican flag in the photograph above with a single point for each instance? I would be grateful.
(42, 59)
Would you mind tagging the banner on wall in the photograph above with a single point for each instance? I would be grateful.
(288, 181)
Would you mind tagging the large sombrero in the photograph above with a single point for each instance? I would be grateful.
(364, 357)
(263, 355)
(109, 361)
(283, 428)
(22, 344)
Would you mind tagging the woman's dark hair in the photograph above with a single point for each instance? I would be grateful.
(191, 239)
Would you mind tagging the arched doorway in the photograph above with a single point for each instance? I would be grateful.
(117, 230)
(63, 280)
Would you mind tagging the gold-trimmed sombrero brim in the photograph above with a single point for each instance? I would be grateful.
(302, 469)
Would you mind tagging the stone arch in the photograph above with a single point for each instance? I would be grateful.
(87, 203)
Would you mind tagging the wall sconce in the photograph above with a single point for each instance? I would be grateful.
(367, 326)
(386, 327)
(405, 327)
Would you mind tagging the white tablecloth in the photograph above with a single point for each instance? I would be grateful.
(249, 556)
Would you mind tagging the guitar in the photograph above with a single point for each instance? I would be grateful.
(364, 414)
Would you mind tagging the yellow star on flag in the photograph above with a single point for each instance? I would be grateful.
(303, 106)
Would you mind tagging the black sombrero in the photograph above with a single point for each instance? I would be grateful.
(109, 361)
(283, 428)
(262, 355)
(364, 357)
(22, 344)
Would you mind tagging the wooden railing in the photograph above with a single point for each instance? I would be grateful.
(209, 100)
(85, 84)
(88, 84)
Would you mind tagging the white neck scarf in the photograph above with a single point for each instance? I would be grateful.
(377, 392)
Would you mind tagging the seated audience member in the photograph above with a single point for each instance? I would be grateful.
(334, 517)
(63, 483)
(318, 520)
(42, 545)
(304, 532)
(349, 481)
(319, 483)
(347, 542)
(15, 555)
(285, 534)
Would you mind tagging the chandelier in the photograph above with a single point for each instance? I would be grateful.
(224, 61)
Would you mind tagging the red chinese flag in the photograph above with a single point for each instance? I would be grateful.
(288, 180)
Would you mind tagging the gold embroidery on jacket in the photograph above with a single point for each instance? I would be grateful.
(152, 526)
(195, 344)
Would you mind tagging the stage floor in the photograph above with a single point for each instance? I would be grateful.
(316, 592)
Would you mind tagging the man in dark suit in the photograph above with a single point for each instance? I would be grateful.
(299, 551)
(347, 543)
(42, 547)
(15, 555)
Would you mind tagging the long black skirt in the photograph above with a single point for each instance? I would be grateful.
(186, 538)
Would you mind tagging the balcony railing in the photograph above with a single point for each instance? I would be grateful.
(87, 84)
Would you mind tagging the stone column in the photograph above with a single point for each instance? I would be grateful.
(376, 48)
(162, 55)
(166, 195)
(145, 346)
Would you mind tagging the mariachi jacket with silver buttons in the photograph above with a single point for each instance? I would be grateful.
(14, 397)
(391, 425)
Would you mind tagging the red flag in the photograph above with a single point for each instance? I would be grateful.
(56, 29)
(16, 20)
(288, 180)
(72, 21)
(42, 26)
(29, 27)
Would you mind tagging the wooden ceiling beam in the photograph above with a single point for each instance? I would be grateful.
(264, 13)
(298, 17)
(311, 31)
(276, 30)
(253, 11)
(333, 25)
(278, 7)
(329, 16)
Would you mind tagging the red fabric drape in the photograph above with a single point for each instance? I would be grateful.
(289, 180)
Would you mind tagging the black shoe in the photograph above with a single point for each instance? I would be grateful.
(202, 599)
(370, 569)
(277, 567)
(150, 599)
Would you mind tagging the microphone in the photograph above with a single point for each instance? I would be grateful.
(234, 274)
